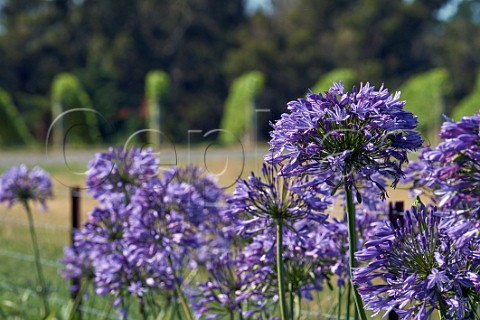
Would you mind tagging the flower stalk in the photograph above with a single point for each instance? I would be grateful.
(181, 296)
(352, 248)
(280, 275)
(339, 302)
(38, 263)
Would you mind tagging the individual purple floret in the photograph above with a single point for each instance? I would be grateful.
(343, 136)
(120, 171)
(452, 169)
(427, 263)
(19, 184)
(257, 203)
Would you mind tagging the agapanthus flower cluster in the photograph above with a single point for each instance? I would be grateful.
(230, 289)
(452, 169)
(427, 263)
(160, 234)
(309, 255)
(141, 237)
(258, 203)
(20, 184)
(341, 136)
(101, 244)
(120, 170)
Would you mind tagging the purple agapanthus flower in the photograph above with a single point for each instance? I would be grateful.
(120, 171)
(19, 184)
(345, 136)
(452, 169)
(258, 203)
(305, 268)
(100, 252)
(370, 216)
(427, 263)
(229, 289)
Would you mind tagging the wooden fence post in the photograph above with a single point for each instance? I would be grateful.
(395, 215)
(75, 225)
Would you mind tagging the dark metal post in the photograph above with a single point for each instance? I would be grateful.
(395, 215)
(75, 225)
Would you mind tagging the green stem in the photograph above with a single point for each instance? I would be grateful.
(181, 296)
(281, 284)
(352, 240)
(143, 310)
(349, 300)
(78, 299)
(38, 264)
(339, 303)
(292, 301)
(299, 307)
(441, 303)
(240, 312)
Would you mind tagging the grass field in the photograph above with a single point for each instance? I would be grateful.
(17, 271)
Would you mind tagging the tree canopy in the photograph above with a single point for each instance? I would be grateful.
(203, 45)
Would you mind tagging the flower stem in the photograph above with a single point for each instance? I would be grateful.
(441, 303)
(181, 296)
(74, 311)
(281, 285)
(339, 303)
(292, 300)
(38, 264)
(349, 300)
(352, 240)
(299, 307)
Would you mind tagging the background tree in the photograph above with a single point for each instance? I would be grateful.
(13, 131)
(203, 45)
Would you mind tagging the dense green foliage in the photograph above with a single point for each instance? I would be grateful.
(72, 127)
(470, 104)
(239, 108)
(202, 46)
(157, 85)
(425, 94)
(13, 131)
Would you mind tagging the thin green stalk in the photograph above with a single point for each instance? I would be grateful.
(38, 264)
(292, 300)
(352, 240)
(240, 312)
(143, 310)
(349, 300)
(441, 303)
(181, 296)
(299, 307)
(281, 284)
(339, 303)
(78, 299)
